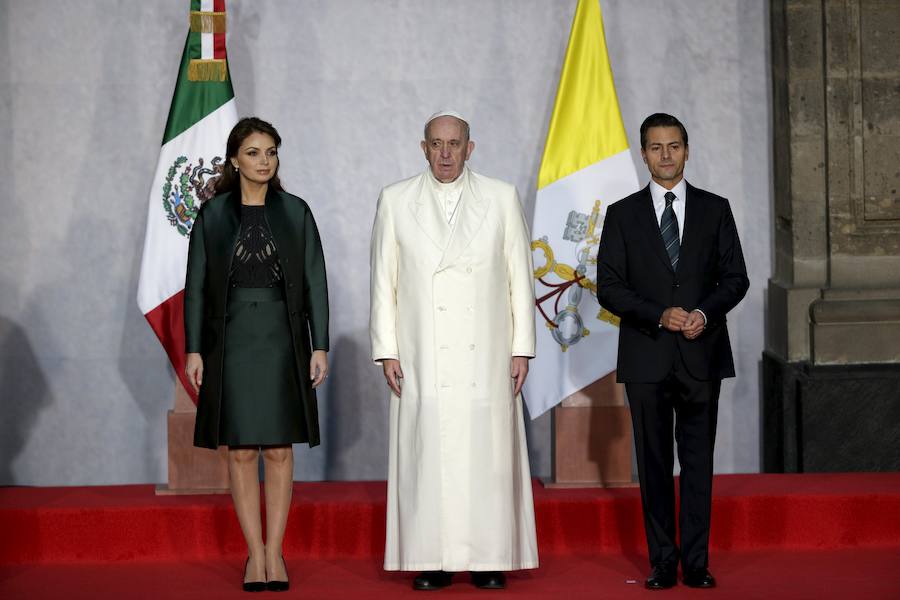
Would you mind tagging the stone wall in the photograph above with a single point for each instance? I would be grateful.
(834, 299)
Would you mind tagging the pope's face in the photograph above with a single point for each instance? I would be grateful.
(447, 148)
(665, 154)
(257, 158)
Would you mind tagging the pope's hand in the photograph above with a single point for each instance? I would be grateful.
(392, 374)
(518, 370)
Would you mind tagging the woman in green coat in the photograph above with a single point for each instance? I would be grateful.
(256, 330)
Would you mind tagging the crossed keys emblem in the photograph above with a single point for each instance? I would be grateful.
(567, 326)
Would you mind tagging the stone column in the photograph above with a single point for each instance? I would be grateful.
(831, 368)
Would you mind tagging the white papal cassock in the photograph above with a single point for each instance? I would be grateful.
(454, 302)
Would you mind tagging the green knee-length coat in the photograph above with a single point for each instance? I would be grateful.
(213, 240)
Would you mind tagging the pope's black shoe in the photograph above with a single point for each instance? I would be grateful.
(489, 580)
(432, 580)
(698, 578)
(662, 577)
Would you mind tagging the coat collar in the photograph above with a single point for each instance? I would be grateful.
(430, 218)
(471, 217)
(428, 215)
(274, 210)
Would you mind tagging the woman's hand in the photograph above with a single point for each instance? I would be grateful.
(318, 367)
(194, 370)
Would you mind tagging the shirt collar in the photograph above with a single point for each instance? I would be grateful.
(658, 193)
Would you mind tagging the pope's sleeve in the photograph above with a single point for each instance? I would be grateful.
(315, 284)
(383, 263)
(517, 247)
(193, 287)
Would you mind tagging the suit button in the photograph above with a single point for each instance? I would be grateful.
(442, 308)
(675, 285)
(468, 269)
(471, 346)
(290, 285)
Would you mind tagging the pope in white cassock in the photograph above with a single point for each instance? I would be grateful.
(452, 324)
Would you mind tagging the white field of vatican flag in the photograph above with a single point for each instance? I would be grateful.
(586, 166)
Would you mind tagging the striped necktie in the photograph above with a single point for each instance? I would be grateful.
(668, 227)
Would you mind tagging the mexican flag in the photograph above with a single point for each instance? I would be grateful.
(586, 166)
(201, 116)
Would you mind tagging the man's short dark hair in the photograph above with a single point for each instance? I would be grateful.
(661, 120)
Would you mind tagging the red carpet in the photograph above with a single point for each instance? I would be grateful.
(866, 574)
(773, 536)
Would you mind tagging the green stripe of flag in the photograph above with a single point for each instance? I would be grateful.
(193, 100)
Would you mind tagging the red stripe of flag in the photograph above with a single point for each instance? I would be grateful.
(167, 322)
(219, 38)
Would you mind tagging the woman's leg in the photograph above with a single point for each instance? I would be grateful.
(279, 463)
(243, 468)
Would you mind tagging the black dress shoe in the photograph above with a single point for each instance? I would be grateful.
(252, 586)
(489, 580)
(662, 577)
(279, 586)
(698, 578)
(432, 580)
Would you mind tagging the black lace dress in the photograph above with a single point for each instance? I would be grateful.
(260, 396)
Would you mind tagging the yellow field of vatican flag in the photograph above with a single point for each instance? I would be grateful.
(586, 166)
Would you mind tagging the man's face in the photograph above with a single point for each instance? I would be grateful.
(447, 148)
(665, 154)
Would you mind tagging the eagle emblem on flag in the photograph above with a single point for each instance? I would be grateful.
(187, 186)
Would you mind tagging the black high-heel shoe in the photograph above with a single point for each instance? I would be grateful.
(279, 586)
(252, 586)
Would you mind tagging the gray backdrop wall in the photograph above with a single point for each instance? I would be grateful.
(84, 93)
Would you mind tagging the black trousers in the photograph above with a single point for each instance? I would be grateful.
(690, 407)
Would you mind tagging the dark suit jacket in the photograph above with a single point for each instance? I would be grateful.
(635, 281)
(213, 240)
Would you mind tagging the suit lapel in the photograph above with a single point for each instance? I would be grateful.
(472, 211)
(427, 214)
(650, 226)
(693, 220)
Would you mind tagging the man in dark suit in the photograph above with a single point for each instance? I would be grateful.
(670, 265)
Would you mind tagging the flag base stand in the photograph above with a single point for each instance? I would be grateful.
(591, 438)
(192, 470)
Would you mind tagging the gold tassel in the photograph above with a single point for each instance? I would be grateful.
(208, 70)
(207, 22)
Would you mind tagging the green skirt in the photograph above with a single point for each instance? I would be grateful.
(261, 401)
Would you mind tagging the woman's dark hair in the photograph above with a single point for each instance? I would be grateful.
(230, 180)
(661, 120)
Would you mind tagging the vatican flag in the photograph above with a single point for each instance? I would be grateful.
(586, 166)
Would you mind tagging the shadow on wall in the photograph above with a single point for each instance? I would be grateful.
(355, 428)
(25, 394)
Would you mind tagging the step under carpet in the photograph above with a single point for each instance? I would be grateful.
(345, 520)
